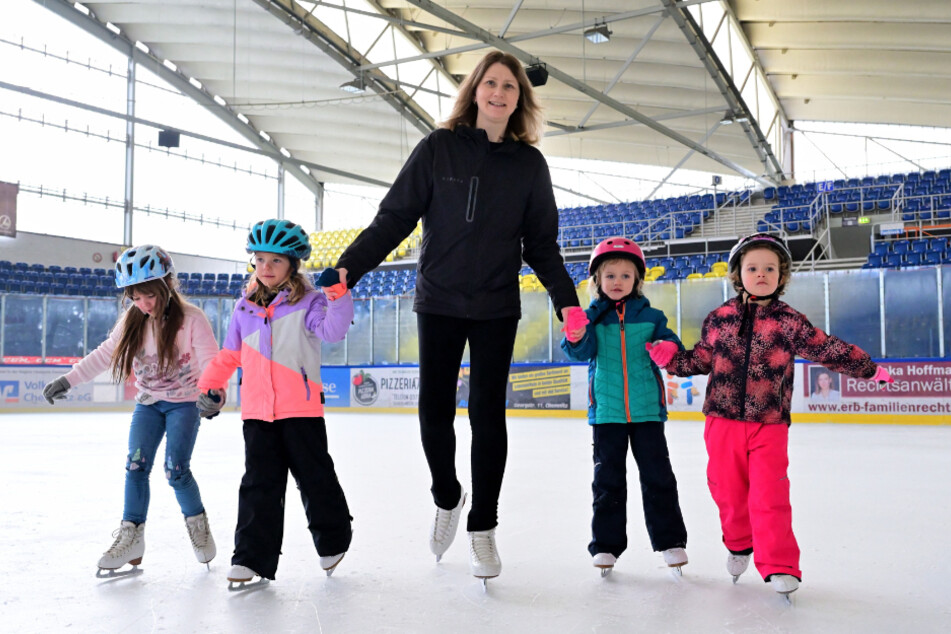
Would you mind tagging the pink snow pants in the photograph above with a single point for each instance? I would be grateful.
(747, 477)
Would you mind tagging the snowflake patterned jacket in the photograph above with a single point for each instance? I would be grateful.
(196, 347)
(278, 349)
(751, 374)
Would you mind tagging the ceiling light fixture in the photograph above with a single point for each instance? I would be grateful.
(354, 86)
(598, 34)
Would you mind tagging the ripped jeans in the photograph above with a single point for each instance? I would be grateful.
(178, 422)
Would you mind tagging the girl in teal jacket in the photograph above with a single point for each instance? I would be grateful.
(627, 405)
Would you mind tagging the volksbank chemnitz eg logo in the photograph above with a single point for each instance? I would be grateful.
(365, 390)
(10, 391)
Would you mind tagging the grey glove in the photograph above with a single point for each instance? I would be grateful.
(210, 403)
(56, 389)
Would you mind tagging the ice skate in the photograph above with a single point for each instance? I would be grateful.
(784, 585)
(736, 565)
(200, 535)
(329, 564)
(128, 548)
(604, 561)
(242, 578)
(676, 558)
(443, 530)
(483, 556)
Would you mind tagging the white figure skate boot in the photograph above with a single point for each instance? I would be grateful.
(330, 563)
(240, 578)
(200, 535)
(736, 565)
(676, 558)
(604, 561)
(484, 556)
(784, 585)
(443, 529)
(128, 548)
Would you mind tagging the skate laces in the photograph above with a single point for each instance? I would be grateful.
(198, 531)
(442, 525)
(125, 537)
(482, 546)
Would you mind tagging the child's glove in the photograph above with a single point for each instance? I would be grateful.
(210, 403)
(575, 322)
(56, 389)
(336, 291)
(882, 376)
(661, 352)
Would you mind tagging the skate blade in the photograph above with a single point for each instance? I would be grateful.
(605, 570)
(787, 599)
(735, 579)
(235, 585)
(105, 573)
(677, 569)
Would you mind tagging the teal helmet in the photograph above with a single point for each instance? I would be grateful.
(141, 264)
(279, 236)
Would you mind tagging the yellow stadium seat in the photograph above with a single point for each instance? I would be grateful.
(695, 276)
(711, 274)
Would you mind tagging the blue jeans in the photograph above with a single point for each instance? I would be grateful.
(178, 422)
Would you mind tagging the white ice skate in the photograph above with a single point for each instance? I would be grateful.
(604, 561)
(484, 556)
(784, 585)
(329, 564)
(443, 529)
(736, 565)
(128, 548)
(200, 535)
(676, 558)
(242, 578)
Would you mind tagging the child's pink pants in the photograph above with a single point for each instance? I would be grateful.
(746, 474)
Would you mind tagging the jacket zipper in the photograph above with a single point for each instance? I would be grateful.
(627, 395)
(303, 373)
(746, 362)
(473, 194)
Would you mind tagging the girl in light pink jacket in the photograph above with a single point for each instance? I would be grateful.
(162, 343)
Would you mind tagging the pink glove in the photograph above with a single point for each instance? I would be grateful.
(662, 352)
(882, 376)
(336, 291)
(575, 322)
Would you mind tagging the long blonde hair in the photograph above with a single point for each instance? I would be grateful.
(134, 323)
(260, 294)
(525, 124)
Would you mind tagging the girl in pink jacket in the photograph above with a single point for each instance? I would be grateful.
(748, 347)
(163, 343)
(274, 336)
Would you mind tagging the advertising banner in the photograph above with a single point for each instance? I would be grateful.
(384, 387)
(8, 209)
(539, 387)
(336, 386)
(22, 388)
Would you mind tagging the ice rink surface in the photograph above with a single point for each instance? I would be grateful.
(871, 511)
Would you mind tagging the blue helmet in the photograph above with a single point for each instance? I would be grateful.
(279, 236)
(141, 264)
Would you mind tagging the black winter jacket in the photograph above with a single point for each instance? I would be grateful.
(485, 208)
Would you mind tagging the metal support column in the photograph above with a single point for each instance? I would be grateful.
(280, 190)
(129, 152)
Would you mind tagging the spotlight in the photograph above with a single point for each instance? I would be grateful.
(537, 74)
(598, 34)
(354, 86)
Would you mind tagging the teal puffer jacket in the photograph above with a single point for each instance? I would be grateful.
(624, 385)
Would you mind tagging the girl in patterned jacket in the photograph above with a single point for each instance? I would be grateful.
(748, 347)
(274, 336)
(626, 405)
(163, 343)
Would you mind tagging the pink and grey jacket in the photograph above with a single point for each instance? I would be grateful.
(278, 348)
(751, 374)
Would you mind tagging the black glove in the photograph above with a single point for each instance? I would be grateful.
(56, 389)
(328, 277)
(210, 403)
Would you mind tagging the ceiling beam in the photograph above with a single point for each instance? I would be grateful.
(737, 107)
(527, 58)
(331, 44)
(122, 44)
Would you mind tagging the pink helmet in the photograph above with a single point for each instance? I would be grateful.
(617, 247)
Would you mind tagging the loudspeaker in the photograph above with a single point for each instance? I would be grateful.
(167, 138)
(537, 74)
